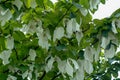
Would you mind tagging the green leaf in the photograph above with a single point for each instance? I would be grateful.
(18, 36)
(5, 55)
(18, 3)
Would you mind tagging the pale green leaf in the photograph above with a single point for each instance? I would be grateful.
(18, 3)
(58, 33)
(10, 42)
(32, 55)
(110, 52)
(5, 55)
(88, 66)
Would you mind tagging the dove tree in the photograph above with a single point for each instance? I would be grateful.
(41, 40)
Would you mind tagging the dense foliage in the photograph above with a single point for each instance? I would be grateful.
(40, 40)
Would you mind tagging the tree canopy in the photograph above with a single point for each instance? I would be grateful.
(41, 40)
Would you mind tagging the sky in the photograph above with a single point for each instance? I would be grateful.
(105, 10)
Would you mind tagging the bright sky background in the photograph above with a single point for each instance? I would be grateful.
(105, 10)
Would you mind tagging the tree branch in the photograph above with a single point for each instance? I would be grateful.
(63, 16)
(56, 76)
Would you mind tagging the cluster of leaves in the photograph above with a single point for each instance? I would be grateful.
(40, 40)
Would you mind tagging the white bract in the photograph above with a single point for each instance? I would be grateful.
(88, 66)
(105, 42)
(5, 55)
(114, 27)
(69, 28)
(18, 3)
(25, 74)
(10, 77)
(49, 64)
(69, 69)
(84, 11)
(10, 42)
(79, 36)
(110, 52)
(33, 3)
(93, 4)
(5, 16)
(58, 33)
(32, 55)
(88, 54)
